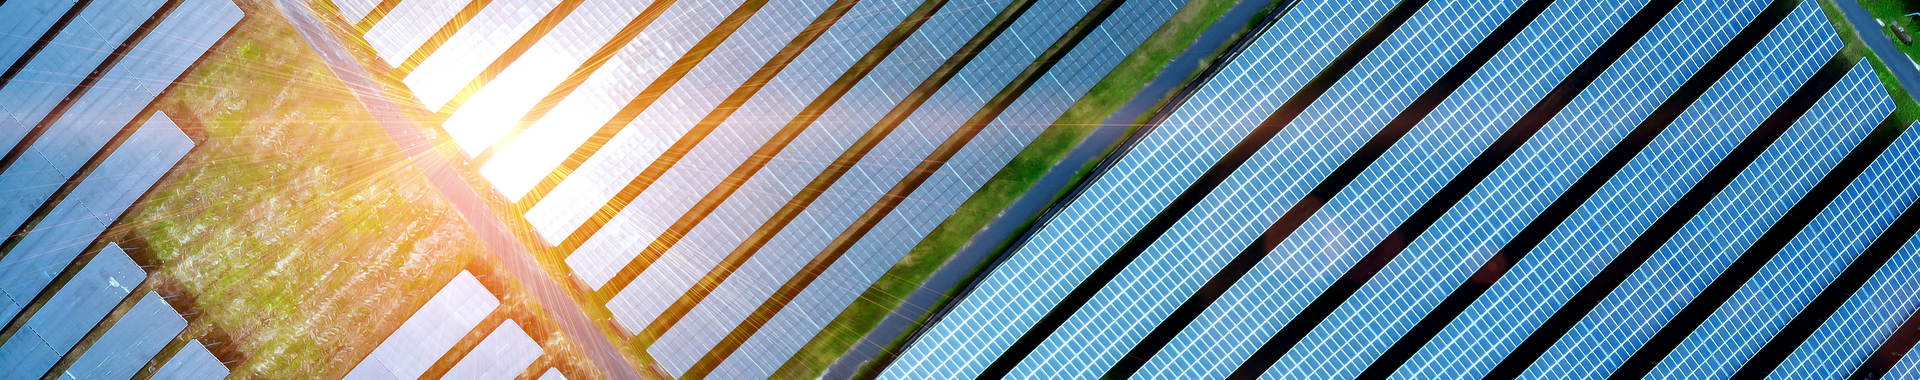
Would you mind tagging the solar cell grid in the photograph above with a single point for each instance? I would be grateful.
(637, 145)
(1279, 62)
(879, 250)
(476, 126)
(756, 199)
(1524, 297)
(126, 347)
(734, 140)
(44, 82)
(544, 66)
(354, 10)
(503, 354)
(410, 25)
(1568, 145)
(116, 98)
(866, 180)
(1419, 165)
(69, 313)
(433, 329)
(791, 170)
(192, 362)
(1821, 250)
(1401, 69)
(1728, 225)
(31, 20)
(70, 226)
(1872, 314)
(470, 50)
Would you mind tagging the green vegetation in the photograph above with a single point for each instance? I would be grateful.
(1047, 150)
(301, 236)
(1905, 109)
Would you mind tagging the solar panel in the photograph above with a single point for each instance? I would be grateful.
(859, 109)
(1278, 62)
(503, 354)
(756, 199)
(69, 314)
(439, 324)
(636, 146)
(1076, 73)
(113, 101)
(66, 61)
(191, 363)
(126, 347)
(1524, 297)
(31, 20)
(408, 26)
(99, 199)
(732, 142)
(481, 122)
(470, 50)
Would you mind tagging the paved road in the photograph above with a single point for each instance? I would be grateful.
(1881, 44)
(440, 171)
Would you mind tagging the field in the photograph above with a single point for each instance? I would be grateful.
(300, 233)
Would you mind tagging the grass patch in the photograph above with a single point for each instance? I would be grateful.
(1905, 109)
(888, 293)
(298, 229)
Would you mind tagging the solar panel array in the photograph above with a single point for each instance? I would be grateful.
(665, 146)
(1444, 189)
(84, 146)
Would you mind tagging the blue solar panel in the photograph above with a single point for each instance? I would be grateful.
(542, 67)
(731, 143)
(1873, 313)
(1571, 142)
(503, 354)
(462, 57)
(99, 199)
(796, 165)
(126, 347)
(69, 314)
(1275, 65)
(476, 126)
(1728, 224)
(115, 99)
(936, 199)
(28, 21)
(193, 362)
(410, 25)
(1684, 152)
(62, 65)
(637, 145)
(1383, 196)
(1818, 253)
(889, 161)
(1288, 166)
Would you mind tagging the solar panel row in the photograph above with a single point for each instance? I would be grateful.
(193, 361)
(464, 55)
(503, 354)
(1693, 243)
(412, 348)
(1278, 63)
(838, 285)
(644, 139)
(69, 313)
(133, 340)
(79, 164)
